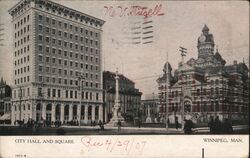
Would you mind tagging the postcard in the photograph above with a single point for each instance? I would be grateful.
(165, 79)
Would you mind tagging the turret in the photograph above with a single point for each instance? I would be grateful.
(205, 44)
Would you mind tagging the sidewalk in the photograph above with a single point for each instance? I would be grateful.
(161, 130)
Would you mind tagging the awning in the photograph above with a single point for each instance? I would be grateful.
(5, 117)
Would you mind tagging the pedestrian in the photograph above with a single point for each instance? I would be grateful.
(227, 127)
(188, 126)
(217, 125)
(176, 123)
(211, 125)
(91, 123)
(100, 124)
(119, 125)
(94, 123)
(139, 123)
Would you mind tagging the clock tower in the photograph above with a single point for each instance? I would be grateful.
(205, 44)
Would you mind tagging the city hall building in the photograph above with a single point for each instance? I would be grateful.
(205, 87)
(57, 63)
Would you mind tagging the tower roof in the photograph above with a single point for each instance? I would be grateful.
(205, 28)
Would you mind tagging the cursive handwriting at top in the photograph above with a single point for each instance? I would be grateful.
(111, 144)
(134, 11)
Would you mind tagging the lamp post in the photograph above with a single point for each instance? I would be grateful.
(20, 102)
(80, 78)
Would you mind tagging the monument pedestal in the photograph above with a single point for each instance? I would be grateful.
(148, 119)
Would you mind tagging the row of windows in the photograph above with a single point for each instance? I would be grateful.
(68, 94)
(67, 63)
(17, 108)
(22, 80)
(65, 34)
(65, 44)
(65, 15)
(22, 31)
(22, 60)
(23, 40)
(67, 81)
(70, 54)
(22, 92)
(66, 26)
(48, 49)
(22, 50)
(66, 72)
(22, 70)
(22, 21)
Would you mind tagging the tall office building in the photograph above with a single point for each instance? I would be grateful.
(56, 48)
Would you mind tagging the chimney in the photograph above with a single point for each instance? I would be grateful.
(235, 62)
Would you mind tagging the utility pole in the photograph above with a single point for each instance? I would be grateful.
(81, 78)
(167, 92)
(183, 53)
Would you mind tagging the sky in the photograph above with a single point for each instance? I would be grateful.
(180, 25)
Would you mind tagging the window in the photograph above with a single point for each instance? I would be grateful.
(53, 50)
(40, 78)
(40, 17)
(53, 21)
(47, 49)
(47, 59)
(54, 93)
(66, 93)
(40, 68)
(48, 92)
(40, 58)
(47, 19)
(40, 27)
(53, 79)
(47, 29)
(58, 93)
(97, 96)
(71, 94)
(75, 94)
(40, 37)
(47, 39)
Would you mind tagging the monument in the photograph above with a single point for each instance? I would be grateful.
(148, 119)
(116, 109)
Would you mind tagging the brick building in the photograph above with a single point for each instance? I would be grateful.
(206, 86)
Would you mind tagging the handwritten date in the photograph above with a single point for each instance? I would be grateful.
(111, 144)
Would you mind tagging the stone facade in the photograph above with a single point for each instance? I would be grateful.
(206, 86)
(129, 96)
(53, 46)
